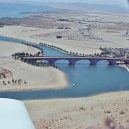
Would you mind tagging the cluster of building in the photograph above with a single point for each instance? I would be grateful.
(115, 52)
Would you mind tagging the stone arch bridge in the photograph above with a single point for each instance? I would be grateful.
(72, 60)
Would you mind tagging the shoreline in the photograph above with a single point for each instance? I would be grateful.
(124, 66)
(46, 77)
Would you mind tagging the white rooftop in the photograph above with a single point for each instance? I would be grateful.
(13, 115)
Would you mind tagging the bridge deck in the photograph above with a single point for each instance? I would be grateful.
(73, 60)
(74, 57)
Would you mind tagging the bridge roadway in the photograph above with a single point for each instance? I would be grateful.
(73, 59)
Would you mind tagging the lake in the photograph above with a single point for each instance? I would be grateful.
(20, 10)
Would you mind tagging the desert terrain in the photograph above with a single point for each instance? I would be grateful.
(104, 111)
(79, 33)
(29, 77)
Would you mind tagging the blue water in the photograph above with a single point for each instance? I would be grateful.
(18, 10)
(89, 79)
(52, 52)
(84, 79)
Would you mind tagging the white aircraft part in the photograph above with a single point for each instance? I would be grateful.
(13, 115)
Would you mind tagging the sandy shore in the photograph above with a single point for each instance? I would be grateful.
(9, 48)
(35, 77)
(80, 113)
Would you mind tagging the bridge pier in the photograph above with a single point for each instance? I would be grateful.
(126, 62)
(112, 62)
(93, 62)
(32, 62)
(27, 61)
(51, 62)
(72, 62)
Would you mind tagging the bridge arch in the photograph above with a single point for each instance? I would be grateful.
(39, 62)
(33, 62)
(62, 61)
(104, 61)
(82, 62)
(74, 60)
(109, 61)
(50, 61)
(93, 61)
(44, 61)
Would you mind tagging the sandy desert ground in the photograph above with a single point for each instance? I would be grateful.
(35, 77)
(81, 33)
(99, 112)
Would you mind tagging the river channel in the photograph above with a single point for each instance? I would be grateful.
(84, 79)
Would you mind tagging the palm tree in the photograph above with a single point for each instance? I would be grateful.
(9, 82)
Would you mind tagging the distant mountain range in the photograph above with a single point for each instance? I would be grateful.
(90, 7)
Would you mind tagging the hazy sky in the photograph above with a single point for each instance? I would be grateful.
(114, 2)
